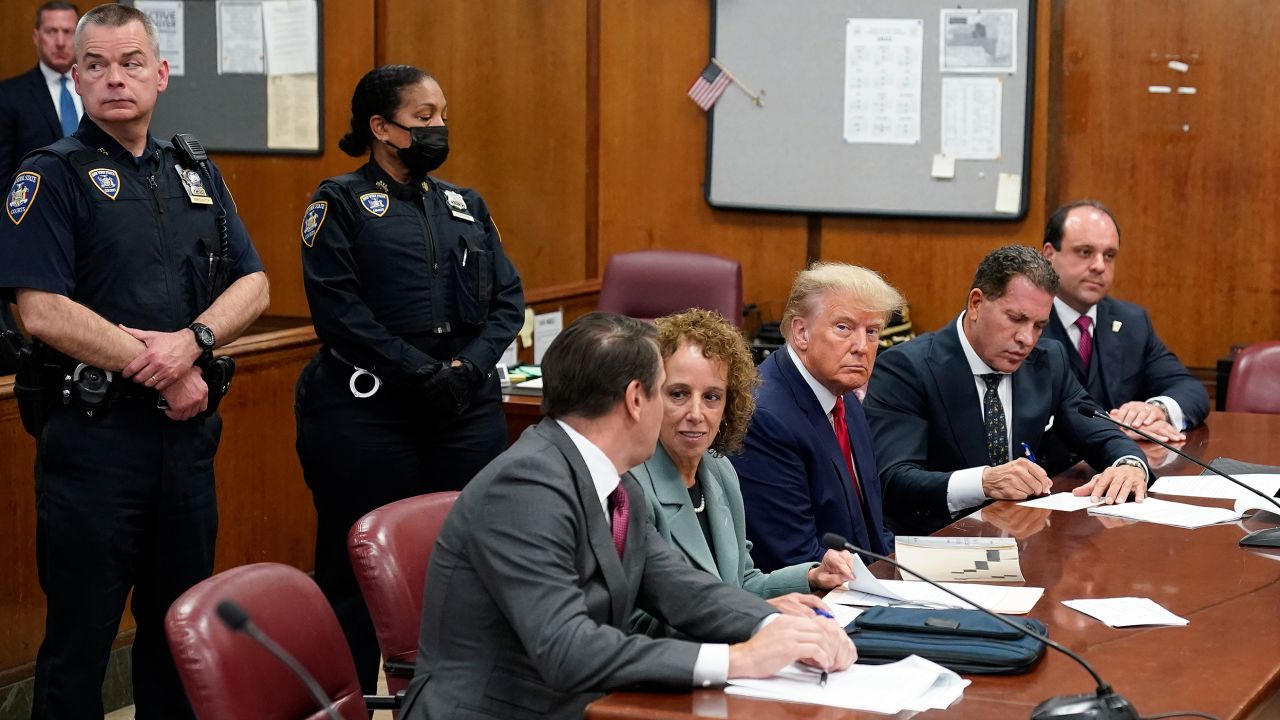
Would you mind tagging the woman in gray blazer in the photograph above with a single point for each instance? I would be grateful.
(692, 490)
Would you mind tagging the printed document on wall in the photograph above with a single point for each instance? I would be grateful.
(971, 108)
(240, 38)
(289, 27)
(883, 69)
(166, 15)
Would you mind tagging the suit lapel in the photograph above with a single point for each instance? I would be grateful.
(40, 99)
(599, 533)
(868, 475)
(1030, 412)
(820, 424)
(1109, 354)
(673, 497)
(724, 539)
(954, 381)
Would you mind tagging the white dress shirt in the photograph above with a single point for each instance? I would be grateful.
(54, 83)
(1068, 316)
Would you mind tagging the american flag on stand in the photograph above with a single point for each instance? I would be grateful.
(710, 85)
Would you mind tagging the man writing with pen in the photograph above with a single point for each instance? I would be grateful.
(957, 415)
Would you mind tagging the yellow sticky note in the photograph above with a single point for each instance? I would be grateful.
(1009, 193)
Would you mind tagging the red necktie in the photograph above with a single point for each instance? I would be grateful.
(846, 448)
(1086, 340)
(618, 513)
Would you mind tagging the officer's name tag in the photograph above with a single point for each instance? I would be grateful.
(194, 186)
(457, 205)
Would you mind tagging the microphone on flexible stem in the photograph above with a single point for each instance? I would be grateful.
(1105, 704)
(235, 617)
(1260, 538)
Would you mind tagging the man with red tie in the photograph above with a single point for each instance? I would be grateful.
(807, 466)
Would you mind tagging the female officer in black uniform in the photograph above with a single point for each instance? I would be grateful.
(415, 301)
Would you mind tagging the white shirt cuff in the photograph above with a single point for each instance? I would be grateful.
(1176, 418)
(964, 489)
(712, 665)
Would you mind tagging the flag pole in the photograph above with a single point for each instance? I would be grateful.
(755, 97)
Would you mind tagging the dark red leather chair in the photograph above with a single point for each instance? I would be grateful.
(651, 283)
(390, 548)
(1254, 386)
(229, 677)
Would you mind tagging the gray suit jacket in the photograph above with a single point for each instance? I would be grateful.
(671, 512)
(526, 598)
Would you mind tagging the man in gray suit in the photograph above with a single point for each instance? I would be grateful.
(547, 552)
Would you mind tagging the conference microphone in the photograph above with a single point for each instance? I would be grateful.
(1105, 704)
(235, 617)
(1260, 538)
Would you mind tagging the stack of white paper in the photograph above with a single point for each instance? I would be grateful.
(1064, 501)
(1126, 611)
(1164, 512)
(960, 559)
(1213, 486)
(866, 589)
(910, 684)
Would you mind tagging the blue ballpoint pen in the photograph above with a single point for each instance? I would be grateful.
(1026, 452)
(822, 680)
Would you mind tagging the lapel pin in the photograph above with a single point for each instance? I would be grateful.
(1116, 325)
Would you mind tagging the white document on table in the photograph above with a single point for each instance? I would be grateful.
(1212, 486)
(867, 590)
(909, 684)
(1063, 501)
(1163, 512)
(1126, 611)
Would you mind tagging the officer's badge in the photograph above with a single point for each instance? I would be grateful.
(375, 203)
(312, 219)
(106, 180)
(21, 195)
(457, 205)
(194, 186)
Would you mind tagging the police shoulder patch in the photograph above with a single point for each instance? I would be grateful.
(312, 219)
(376, 203)
(106, 180)
(22, 195)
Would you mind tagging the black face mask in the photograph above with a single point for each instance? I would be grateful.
(428, 148)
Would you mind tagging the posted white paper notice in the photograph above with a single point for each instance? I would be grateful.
(546, 327)
(293, 112)
(971, 108)
(289, 30)
(166, 15)
(240, 38)
(882, 74)
(944, 167)
(1009, 193)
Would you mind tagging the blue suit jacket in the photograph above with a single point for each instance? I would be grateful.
(1130, 362)
(795, 484)
(926, 419)
(28, 120)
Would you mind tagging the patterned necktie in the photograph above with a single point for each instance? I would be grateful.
(67, 109)
(846, 447)
(618, 513)
(1084, 322)
(993, 420)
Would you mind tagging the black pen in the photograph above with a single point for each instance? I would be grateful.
(822, 681)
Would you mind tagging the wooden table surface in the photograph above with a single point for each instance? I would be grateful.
(1226, 662)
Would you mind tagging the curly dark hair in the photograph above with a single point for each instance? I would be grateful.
(722, 342)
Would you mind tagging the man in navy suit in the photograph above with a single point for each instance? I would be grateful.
(1114, 350)
(958, 415)
(807, 466)
(30, 104)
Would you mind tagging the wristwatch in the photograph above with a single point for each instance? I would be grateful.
(1162, 407)
(204, 336)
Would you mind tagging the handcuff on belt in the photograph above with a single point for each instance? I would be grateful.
(357, 373)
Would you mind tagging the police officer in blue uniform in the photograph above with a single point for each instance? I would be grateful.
(415, 301)
(129, 264)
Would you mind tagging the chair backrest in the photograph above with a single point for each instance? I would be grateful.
(229, 677)
(651, 283)
(390, 549)
(1254, 386)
